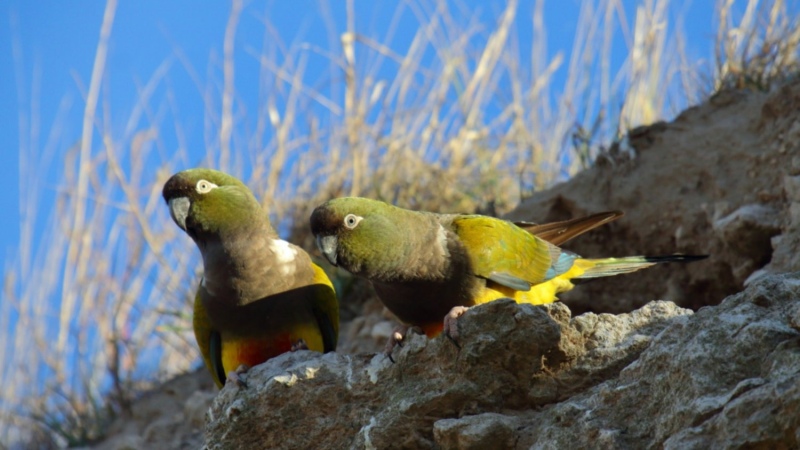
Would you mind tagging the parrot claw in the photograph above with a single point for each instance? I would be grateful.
(299, 345)
(453, 340)
(395, 340)
(398, 338)
(450, 328)
(235, 376)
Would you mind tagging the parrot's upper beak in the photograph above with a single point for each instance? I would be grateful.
(179, 210)
(328, 246)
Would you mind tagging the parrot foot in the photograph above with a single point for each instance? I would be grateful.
(395, 340)
(451, 323)
(235, 376)
(299, 345)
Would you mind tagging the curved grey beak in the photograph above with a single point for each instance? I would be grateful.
(328, 246)
(179, 210)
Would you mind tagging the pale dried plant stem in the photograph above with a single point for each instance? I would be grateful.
(226, 123)
(282, 129)
(352, 117)
(477, 87)
(80, 241)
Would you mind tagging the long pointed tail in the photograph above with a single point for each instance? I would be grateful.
(606, 267)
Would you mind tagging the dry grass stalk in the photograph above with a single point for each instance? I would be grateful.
(759, 48)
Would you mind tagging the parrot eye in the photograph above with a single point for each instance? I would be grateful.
(205, 187)
(351, 220)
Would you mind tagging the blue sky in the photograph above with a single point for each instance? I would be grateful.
(56, 42)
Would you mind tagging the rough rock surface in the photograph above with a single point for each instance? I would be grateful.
(171, 416)
(512, 357)
(722, 179)
(727, 376)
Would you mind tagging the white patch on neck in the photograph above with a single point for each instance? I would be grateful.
(441, 238)
(285, 255)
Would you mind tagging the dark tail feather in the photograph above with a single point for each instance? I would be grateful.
(674, 258)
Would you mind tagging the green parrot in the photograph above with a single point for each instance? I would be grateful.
(426, 266)
(259, 296)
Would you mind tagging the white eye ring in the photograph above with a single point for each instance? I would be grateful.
(204, 186)
(351, 221)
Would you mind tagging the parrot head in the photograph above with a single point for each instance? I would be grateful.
(205, 202)
(360, 235)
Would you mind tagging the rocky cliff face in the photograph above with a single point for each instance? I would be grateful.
(722, 179)
(727, 376)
